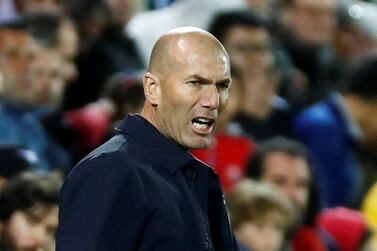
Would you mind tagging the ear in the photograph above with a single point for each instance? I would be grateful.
(152, 88)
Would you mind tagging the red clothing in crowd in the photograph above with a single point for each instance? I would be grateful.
(308, 238)
(228, 156)
(91, 125)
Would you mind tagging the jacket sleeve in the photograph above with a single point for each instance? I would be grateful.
(103, 206)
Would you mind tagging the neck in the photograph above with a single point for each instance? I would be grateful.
(149, 114)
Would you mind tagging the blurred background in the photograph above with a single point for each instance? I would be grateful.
(295, 149)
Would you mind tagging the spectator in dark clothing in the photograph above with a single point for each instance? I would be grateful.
(333, 128)
(112, 52)
(306, 29)
(244, 34)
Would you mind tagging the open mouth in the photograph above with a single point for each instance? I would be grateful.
(202, 125)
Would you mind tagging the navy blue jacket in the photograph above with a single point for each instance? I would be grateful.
(142, 191)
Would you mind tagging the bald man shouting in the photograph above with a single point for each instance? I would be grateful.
(143, 190)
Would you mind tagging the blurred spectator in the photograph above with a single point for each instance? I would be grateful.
(356, 35)
(53, 30)
(245, 36)
(146, 27)
(29, 212)
(90, 18)
(33, 83)
(348, 227)
(114, 51)
(94, 124)
(260, 217)
(306, 29)
(331, 130)
(230, 149)
(285, 164)
(17, 124)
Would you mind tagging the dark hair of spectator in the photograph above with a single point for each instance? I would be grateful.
(15, 159)
(123, 88)
(224, 21)
(362, 77)
(27, 190)
(43, 27)
(276, 144)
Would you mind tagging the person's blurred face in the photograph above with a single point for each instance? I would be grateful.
(248, 47)
(193, 94)
(266, 233)
(290, 174)
(234, 102)
(47, 77)
(68, 46)
(314, 21)
(260, 86)
(33, 229)
(17, 51)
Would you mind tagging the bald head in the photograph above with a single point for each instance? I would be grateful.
(170, 49)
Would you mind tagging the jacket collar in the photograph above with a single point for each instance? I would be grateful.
(157, 146)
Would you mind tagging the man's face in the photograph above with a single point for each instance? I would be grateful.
(33, 229)
(248, 47)
(314, 21)
(193, 95)
(16, 55)
(290, 174)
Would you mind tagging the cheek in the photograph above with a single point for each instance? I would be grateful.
(224, 100)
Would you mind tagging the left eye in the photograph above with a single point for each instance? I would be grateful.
(194, 82)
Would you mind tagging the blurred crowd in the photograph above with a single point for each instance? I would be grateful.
(295, 149)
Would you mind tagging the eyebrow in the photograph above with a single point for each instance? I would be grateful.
(208, 81)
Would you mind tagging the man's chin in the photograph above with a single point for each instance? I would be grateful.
(201, 143)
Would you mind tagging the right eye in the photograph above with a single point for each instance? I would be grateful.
(194, 82)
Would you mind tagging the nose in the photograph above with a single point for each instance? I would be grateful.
(210, 98)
